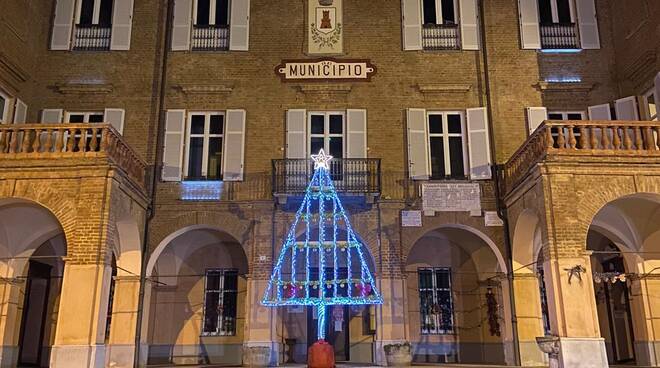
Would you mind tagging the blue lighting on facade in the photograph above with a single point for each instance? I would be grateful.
(572, 79)
(326, 247)
(201, 190)
(561, 51)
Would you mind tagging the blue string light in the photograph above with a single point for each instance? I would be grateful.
(283, 291)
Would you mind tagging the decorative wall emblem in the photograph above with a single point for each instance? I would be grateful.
(325, 34)
(326, 69)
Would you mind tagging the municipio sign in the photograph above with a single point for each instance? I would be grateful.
(326, 69)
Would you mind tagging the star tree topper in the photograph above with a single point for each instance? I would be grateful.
(321, 160)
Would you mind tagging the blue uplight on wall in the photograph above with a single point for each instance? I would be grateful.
(201, 190)
(572, 79)
(561, 51)
(325, 248)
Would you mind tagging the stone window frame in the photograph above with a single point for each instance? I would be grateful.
(221, 327)
(206, 139)
(446, 135)
(435, 290)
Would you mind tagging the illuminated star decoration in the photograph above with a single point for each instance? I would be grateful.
(321, 160)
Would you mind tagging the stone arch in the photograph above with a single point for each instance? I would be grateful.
(526, 242)
(129, 246)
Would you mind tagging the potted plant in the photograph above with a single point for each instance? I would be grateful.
(399, 354)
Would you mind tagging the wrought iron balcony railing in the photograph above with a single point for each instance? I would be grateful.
(210, 38)
(583, 141)
(349, 175)
(440, 37)
(92, 37)
(559, 36)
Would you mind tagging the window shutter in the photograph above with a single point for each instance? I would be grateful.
(296, 134)
(173, 145)
(239, 25)
(587, 24)
(626, 108)
(51, 116)
(234, 146)
(412, 24)
(530, 36)
(116, 118)
(418, 145)
(535, 116)
(656, 93)
(469, 15)
(62, 25)
(181, 25)
(356, 129)
(122, 19)
(600, 112)
(479, 143)
(20, 112)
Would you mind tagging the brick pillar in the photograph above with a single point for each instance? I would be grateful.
(11, 310)
(121, 346)
(529, 319)
(573, 314)
(81, 322)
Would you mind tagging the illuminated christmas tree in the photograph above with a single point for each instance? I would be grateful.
(326, 265)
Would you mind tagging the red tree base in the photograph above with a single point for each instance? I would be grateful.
(321, 355)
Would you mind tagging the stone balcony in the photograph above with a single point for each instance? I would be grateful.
(34, 147)
(583, 142)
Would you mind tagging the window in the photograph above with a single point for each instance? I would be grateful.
(4, 108)
(210, 25)
(557, 24)
(93, 26)
(649, 102)
(435, 301)
(556, 12)
(447, 145)
(83, 117)
(326, 131)
(439, 25)
(220, 302)
(544, 298)
(204, 152)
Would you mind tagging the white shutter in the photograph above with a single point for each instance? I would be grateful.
(469, 16)
(418, 144)
(51, 116)
(296, 133)
(356, 130)
(626, 108)
(656, 93)
(20, 112)
(181, 25)
(173, 144)
(535, 116)
(234, 146)
(122, 19)
(412, 24)
(587, 24)
(62, 25)
(600, 112)
(116, 118)
(479, 143)
(239, 25)
(530, 36)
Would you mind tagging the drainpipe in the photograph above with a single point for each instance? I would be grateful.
(159, 134)
(501, 209)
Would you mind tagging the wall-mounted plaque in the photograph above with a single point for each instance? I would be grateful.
(451, 197)
(326, 69)
(325, 34)
(492, 219)
(411, 218)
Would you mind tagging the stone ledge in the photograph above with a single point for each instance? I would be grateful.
(324, 88)
(444, 88)
(580, 87)
(193, 89)
(84, 88)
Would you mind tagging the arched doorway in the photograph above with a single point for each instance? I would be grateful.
(624, 240)
(350, 329)
(457, 297)
(32, 247)
(197, 280)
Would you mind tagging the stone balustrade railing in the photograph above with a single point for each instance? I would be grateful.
(37, 141)
(600, 138)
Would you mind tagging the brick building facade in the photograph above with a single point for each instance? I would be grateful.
(152, 158)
